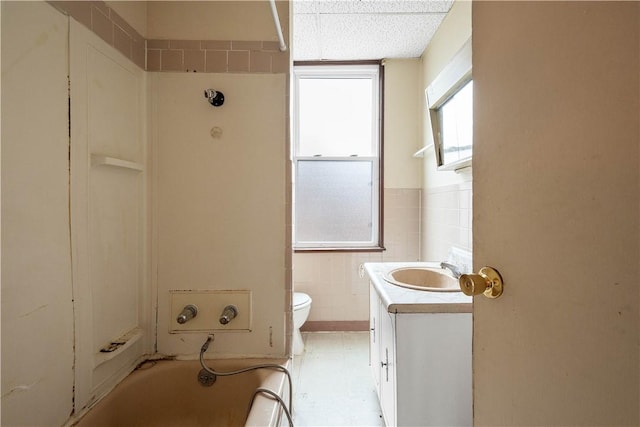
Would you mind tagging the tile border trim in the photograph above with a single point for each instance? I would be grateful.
(108, 25)
(216, 56)
(202, 56)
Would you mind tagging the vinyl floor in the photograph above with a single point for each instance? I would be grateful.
(332, 381)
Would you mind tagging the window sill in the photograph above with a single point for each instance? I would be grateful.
(322, 250)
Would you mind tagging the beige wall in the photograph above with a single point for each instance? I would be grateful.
(217, 20)
(402, 106)
(446, 195)
(37, 313)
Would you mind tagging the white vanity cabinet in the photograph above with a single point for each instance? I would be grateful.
(421, 363)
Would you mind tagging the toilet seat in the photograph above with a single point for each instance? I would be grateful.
(300, 300)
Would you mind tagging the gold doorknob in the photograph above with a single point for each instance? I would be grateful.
(488, 282)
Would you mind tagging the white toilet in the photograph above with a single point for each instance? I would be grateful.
(301, 309)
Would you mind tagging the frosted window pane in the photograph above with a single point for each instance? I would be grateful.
(335, 116)
(456, 117)
(334, 201)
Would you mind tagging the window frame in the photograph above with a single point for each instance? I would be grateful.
(340, 69)
(454, 77)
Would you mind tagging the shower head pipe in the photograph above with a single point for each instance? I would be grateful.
(276, 22)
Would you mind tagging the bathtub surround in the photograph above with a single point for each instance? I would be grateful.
(35, 173)
(221, 203)
(108, 218)
(214, 197)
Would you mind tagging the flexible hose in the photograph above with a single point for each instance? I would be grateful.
(275, 396)
(273, 366)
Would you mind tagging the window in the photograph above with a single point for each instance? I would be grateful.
(450, 101)
(336, 150)
(455, 119)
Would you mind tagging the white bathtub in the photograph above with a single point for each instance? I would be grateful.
(167, 393)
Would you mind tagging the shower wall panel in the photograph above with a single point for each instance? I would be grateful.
(108, 219)
(220, 202)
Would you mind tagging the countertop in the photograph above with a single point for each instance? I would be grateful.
(404, 300)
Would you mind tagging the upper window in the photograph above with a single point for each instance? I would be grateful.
(450, 101)
(336, 156)
(455, 119)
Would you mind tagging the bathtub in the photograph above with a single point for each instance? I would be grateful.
(167, 393)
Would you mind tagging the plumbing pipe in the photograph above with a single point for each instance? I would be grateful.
(276, 22)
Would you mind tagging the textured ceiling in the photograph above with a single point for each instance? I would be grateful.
(364, 29)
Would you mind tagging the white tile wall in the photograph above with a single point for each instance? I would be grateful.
(446, 220)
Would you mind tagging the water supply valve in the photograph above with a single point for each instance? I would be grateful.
(188, 312)
(228, 314)
(212, 305)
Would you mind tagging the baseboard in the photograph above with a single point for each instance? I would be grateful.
(335, 325)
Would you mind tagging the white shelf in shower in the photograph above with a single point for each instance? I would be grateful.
(120, 345)
(100, 160)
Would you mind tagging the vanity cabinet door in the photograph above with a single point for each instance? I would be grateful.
(433, 360)
(382, 355)
(374, 336)
(387, 366)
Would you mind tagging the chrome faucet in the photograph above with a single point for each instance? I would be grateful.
(455, 271)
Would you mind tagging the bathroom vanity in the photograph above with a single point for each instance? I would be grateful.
(420, 351)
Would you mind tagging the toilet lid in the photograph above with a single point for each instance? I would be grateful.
(300, 298)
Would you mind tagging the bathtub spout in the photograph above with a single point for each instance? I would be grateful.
(276, 367)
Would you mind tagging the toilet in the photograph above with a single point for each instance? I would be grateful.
(301, 309)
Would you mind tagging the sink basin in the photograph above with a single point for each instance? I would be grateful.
(423, 279)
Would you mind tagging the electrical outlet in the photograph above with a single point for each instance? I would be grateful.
(361, 271)
(210, 305)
